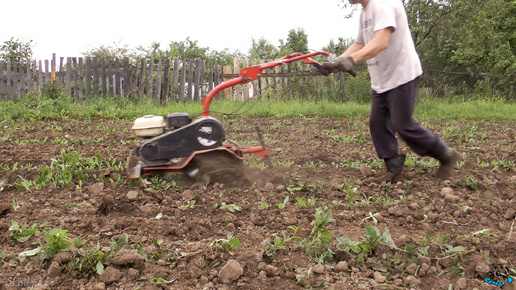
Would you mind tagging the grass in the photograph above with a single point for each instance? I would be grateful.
(62, 107)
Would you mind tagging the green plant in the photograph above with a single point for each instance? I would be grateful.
(228, 207)
(56, 241)
(188, 205)
(316, 244)
(23, 183)
(226, 245)
(367, 246)
(161, 281)
(352, 193)
(279, 243)
(43, 177)
(91, 259)
(372, 217)
(16, 205)
(23, 233)
(469, 182)
(282, 205)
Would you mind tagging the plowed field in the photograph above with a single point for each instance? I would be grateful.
(310, 221)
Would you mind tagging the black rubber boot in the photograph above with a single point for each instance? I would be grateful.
(447, 157)
(394, 166)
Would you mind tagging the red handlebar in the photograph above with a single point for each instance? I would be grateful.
(252, 73)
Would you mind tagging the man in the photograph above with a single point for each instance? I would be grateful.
(384, 42)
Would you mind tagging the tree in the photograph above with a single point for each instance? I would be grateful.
(297, 41)
(16, 50)
(263, 49)
(111, 52)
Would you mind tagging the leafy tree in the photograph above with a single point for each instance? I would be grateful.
(16, 50)
(111, 52)
(263, 49)
(186, 50)
(339, 46)
(297, 41)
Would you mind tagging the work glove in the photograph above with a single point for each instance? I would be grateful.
(342, 64)
(326, 68)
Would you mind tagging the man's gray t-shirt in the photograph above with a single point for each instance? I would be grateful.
(399, 63)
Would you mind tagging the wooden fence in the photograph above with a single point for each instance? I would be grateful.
(168, 81)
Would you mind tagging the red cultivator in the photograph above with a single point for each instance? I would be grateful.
(179, 144)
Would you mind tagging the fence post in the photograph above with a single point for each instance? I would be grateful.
(127, 77)
(175, 79)
(197, 80)
(103, 78)
(189, 94)
(236, 70)
(141, 88)
(157, 90)
(2, 86)
(28, 82)
(151, 77)
(88, 77)
(166, 82)
(182, 92)
(79, 76)
(134, 78)
(69, 76)
(53, 70)
(96, 84)
(61, 73)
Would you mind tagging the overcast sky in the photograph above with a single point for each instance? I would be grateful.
(70, 27)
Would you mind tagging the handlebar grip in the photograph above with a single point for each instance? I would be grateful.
(352, 73)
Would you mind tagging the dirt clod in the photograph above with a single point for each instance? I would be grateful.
(230, 272)
(54, 270)
(110, 275)
(126, 257)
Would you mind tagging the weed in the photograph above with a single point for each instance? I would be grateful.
(188, 205)
(16, 205)
(352, 193)
(308, 202)
(316, 244)
(23, 233)
(279, 243)
(282, 205)
(367, 246)
(372, 217)
(92, 259)
(56, 241)
(228, 207)
(161, 281)
(228, 244)
(469, 182)
(23, 183)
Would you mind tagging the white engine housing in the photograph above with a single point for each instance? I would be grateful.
(149, 126)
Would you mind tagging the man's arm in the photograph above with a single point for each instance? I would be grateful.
(353, 48)
(360, 52)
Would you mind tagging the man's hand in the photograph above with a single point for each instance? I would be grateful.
(344, 64)
(326, 68)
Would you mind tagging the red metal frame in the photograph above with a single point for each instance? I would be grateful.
(246, 75)
(252, 73)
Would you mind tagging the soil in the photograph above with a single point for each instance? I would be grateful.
(171, 233)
